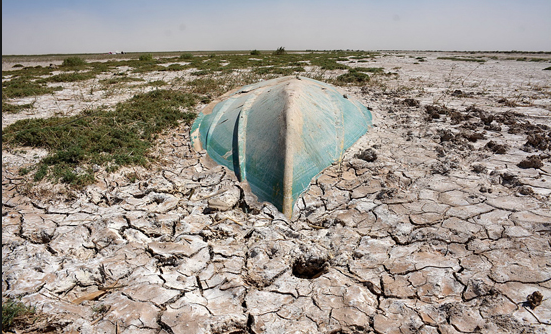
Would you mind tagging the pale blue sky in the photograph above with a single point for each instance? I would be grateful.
(96, 26)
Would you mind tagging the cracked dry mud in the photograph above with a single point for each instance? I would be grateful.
(431, 232)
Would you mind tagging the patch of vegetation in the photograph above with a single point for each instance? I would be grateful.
(279, 70)
(377, 70)
(327, 63)
(202, 72)
(186, 56)
(353, 77)
(24, 171)
(15, 108)
(212, 86)
(17, 65)
(119, 79)
(101, 67)
(175, 67)
(12, 311)
(109, 138)
(478, 60)
(69, 77)
(25, 86)
(146, 57)
(362, 56)
(537, 60)
(547, 68)
(74, 62)
(157, 83)
(255, 53)
(280, 51)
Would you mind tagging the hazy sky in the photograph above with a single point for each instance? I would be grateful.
(96, 26)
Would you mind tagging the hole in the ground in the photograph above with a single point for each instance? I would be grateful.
(309, 268)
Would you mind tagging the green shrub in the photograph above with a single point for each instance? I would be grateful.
(73, 62)
(377, 70)
(353, 77)
(175, 67)
(328, 64)
(207, 86)
(119, 79)
(157, 83)
(11, 310)
(146, 57)
(202, 72)
(255, 53)
(25, 86)
(186, 56)
(279, 70)
(280, 51)
(15, 108)
(104, 137)
(478, 60)
(69, 77)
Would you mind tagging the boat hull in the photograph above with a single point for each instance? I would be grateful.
(277, 135)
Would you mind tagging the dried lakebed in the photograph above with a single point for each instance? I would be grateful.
(437, 221)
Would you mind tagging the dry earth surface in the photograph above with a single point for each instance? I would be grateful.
(431, 223)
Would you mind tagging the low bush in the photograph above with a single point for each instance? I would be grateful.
(105, 137)
(25, 86)
(15, 108)
(186, 56)
(146, 57)
(280, 51)
(353, 77)
(73, 62)
(12, 310)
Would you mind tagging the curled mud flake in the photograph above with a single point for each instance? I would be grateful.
(473, 109)
(507, 102)
(368, 155)
(509, 180)
(457, 117)
(492, 127)
(309, 268)
(472, 136)
(538, 141)
(434, 111)
(446, 135)
(386, 193)
(471, 125)
(478, 168)
(484, 189)
(532, 161)
(496, 148)
(443, 167)
(508, 117)
(534, 300)
(412, 103)
(525, 190)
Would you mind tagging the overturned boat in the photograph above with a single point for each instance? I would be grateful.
(277, 135)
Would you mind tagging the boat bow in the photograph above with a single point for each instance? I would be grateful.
(277, 135)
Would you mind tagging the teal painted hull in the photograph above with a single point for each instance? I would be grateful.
(277, 135)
